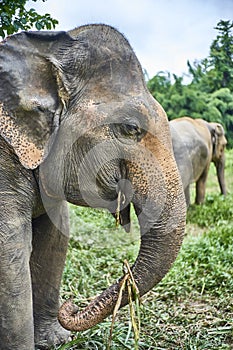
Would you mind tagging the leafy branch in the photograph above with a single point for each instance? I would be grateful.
(14, 17)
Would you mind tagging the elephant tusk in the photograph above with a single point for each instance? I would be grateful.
(121, 198)
(118, 209)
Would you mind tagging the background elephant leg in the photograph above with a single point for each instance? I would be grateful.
(187, 195)
(201, 187)
(47, 263)
(16, 317)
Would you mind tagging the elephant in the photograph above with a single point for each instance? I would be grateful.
(78, 125)
(197, 143)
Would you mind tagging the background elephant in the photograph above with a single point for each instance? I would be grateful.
(196, 143)
(77, 124)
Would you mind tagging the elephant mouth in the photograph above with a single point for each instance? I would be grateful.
(107, 188)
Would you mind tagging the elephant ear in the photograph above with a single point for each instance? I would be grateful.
(217, 137)
(31, 93)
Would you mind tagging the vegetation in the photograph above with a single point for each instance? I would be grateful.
(191, 308)
(14, 16)
(209, 95)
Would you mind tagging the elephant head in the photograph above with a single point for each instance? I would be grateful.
(218, 140)
(75, 107)
(218, 156)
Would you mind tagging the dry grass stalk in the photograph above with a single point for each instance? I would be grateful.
(133, 295)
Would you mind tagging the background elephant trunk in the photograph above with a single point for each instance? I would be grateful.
(220, 169)
(161, 215)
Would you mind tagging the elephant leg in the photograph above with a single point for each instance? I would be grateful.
(16, 316)
(187, 195)
(201, 187)
(50, 241)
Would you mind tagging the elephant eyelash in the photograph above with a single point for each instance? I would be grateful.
(131, 129)
(40, 109)
(127, 131)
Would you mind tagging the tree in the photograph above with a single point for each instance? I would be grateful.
(210, 93)
(197, 70)
(14, 17)
(221, 55)
(216, 71)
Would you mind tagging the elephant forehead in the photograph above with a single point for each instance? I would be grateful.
(220, 130)
(100, 109)
(88, 115)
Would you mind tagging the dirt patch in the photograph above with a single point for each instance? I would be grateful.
(194, 230)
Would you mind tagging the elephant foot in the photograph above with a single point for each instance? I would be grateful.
(48, 334)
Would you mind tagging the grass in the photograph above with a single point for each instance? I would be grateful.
(191, 308)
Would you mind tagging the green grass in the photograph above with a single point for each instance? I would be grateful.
(191, 308)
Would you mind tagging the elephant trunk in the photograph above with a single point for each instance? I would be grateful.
(220, 169)
(161, 215)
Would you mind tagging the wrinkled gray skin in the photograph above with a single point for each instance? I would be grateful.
(78, 124)
(197, 143)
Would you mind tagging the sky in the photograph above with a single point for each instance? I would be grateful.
(163, 33)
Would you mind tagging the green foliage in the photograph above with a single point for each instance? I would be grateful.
(15, 17)
(221, 55)
(207, 262)
(210, 93)
(216, 71)
(211, 213)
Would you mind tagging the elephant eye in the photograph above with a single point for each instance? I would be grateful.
(39, 109)
(130, 129)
